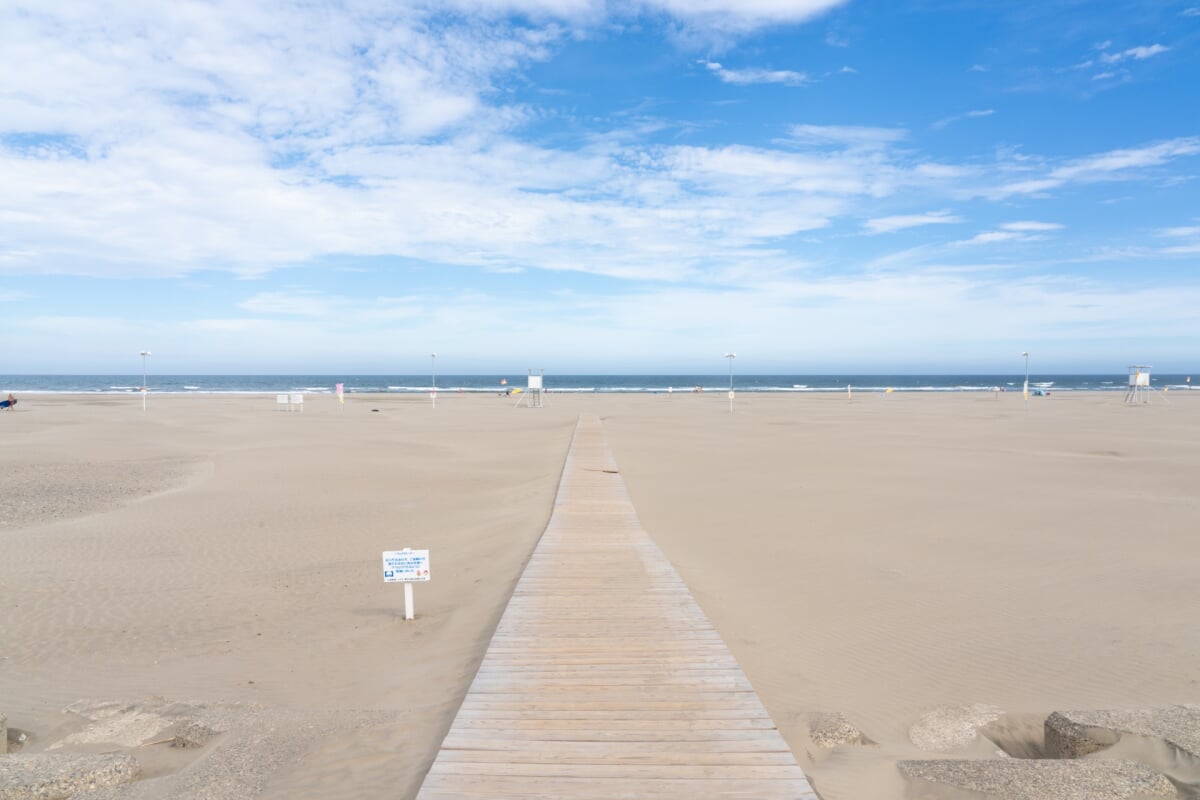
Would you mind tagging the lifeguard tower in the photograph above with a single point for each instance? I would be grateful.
(532, 396)
(1138, 390)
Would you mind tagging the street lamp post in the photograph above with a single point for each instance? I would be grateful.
(731, 357)
(1026, 390)
(143, 354)
(433, 370)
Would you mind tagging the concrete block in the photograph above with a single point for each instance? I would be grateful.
(1040, 779)
(1071, 734)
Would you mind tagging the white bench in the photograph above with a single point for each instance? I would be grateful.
(298, 401)
(281, 403)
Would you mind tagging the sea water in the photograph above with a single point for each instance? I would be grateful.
(600, 384)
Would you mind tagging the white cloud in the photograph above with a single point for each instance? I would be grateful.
(902, 221)
(743, 77)
(992, 237)
(246, 139)
(1114, 165)
(1194, 11)
(984, 112)
(847, 135)
(1136, 53)
(1185, 232)
(741, 15)
(301, 304)
(1025, 226)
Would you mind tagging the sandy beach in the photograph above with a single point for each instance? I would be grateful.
(880, 557)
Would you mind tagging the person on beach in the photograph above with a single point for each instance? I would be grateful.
(10, 403)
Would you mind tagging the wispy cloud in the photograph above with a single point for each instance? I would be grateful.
(992, 237)
(1189, 233)
(744, 77)
(1114, 165)
(1025, 226)
(847, 135)
(902, 221)
(1136, 53)
(983, 112)
(307, 304)
(741, 15)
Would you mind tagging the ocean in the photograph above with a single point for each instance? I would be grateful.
(610, 384)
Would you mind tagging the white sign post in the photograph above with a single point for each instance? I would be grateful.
(406, 566)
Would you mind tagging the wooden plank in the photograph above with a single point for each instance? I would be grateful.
(604, 678)
(442, 787)
(579, 747)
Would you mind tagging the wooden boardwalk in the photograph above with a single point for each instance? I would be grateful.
(604, 678)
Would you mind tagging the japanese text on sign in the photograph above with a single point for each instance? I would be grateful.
(405, 565)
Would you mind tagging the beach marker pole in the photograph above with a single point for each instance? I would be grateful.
(433, 368)
(731, 357)
(1026, 390)
(408, 601)
(849, 394)
(143, 354)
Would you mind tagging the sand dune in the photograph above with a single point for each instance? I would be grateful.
(878, 557)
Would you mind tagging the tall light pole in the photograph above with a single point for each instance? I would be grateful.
(433, 370)
(143, 354)
(1026, 390)
(731, 357)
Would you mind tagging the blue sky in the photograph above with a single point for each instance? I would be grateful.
(588, 186)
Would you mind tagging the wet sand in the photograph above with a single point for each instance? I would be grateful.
(879, 558)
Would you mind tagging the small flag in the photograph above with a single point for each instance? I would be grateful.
(341, 397)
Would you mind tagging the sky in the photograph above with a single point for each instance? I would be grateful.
(633, 186)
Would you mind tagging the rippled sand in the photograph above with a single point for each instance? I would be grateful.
(878, 557)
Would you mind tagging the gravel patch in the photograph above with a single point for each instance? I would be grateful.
(1023, 779)
(951, 727)
(33, 494)
(57, 776)
(833, 730)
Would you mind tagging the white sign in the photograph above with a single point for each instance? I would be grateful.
(405, 565)
(535, 381)
(730, 395)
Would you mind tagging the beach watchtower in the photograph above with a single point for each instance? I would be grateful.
(1138, 390)
(533, 392)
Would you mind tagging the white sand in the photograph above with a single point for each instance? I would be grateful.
(879, 557)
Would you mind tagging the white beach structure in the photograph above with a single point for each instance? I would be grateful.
(532, 396)
(1139, 384)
